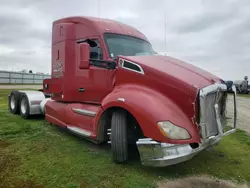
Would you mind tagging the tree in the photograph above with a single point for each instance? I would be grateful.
(30, 71)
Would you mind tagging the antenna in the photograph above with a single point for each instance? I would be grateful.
(165, 28)
(99, 9)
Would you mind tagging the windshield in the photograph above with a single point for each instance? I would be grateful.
(127, 46)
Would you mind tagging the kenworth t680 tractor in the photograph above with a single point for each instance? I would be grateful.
(109, 85)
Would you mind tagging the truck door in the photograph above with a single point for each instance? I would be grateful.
(95, 83)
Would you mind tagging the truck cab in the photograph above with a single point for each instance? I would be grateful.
(109, 85)
(106, 41)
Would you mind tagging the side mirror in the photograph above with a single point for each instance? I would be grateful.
(84, 55)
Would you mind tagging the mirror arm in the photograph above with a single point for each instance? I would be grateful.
(101, 63)
(97, 64)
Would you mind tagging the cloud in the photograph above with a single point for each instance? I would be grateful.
(212, 34)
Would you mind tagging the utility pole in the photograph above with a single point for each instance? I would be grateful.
(165, 27)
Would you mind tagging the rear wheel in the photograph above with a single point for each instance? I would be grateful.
(24, 107)
(119, 143)
(14, 102)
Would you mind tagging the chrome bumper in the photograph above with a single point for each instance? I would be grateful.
(158, 154)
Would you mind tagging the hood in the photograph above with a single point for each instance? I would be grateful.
(177, 69)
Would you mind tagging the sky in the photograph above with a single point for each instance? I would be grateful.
(211, 34)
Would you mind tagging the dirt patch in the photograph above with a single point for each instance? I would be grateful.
(4, 144)
(199, 182)
(8, 166)
(26, 184)
(84, 184)
(8, 163)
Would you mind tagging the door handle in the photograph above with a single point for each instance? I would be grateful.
(81, 89)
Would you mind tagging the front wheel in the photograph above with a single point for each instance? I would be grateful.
(119, 143)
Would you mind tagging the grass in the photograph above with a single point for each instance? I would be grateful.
(243, 95)
(35, 154)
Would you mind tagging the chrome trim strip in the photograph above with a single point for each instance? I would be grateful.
(79, 131)
(121, 99)
(121, 64)
(84, 112)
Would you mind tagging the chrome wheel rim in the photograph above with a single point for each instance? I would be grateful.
(12, 102)
(24, 106)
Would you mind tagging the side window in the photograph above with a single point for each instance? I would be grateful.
(96, 50)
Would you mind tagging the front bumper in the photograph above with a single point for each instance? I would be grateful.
(158, 154)
(153, 153)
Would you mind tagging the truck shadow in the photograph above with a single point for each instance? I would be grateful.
(133, 154)
(37, 117)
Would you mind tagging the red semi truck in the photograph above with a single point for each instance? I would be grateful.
(109, 85)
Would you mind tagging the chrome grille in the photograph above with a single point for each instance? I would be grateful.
(210, 116)
(209, 97)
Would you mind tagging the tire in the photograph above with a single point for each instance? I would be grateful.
(24, 107)
(119, 143)
(14, 99)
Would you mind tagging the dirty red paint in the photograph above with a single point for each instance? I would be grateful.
(167, 90)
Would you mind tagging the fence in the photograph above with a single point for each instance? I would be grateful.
(8, 77)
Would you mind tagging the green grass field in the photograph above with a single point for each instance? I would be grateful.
(244, 95)
(35, 154)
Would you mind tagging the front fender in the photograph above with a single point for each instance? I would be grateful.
(149, 107)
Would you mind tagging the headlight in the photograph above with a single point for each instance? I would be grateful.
(172, 131)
